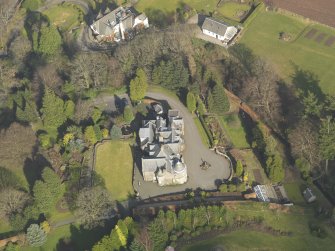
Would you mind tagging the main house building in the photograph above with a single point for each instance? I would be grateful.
(119, 24)
(162, 144)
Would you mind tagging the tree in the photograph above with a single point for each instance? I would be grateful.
(69, 107)
(304, 143)
(48, 191)
(171, 74)
(18, 142)
(90, 135)
(201, 106)
(158, 235)
(221, 102)
(50, 40)
(138, 85)
(327, 141)
(116, 132)
(128, 114)
(93, 205)
(239, 168)
(191, 102)
(36, 237)
(210, 101)
(312, 105)
(274, 168)
(12, 247)
(12, 202)
(53, 110)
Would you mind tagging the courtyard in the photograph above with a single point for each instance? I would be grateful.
(194, 154)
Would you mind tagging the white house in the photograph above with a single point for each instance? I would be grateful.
(219, 30)
(119, 24)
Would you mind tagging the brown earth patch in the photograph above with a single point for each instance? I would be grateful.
(311, 33)
(321, 10)
(320, 37)
(330, 41)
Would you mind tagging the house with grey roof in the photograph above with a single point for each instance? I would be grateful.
(119, 24)
(219, 29)
(162, 144)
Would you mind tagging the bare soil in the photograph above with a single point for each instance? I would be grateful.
(311, 33)
(321, 10)
(320, 37)
(330, 41)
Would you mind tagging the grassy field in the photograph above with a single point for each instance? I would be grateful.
(232, 10)
(202, 132)
(295, 220)
(71, 237)
(114, 162)
(252, 240)
(63, 16)
(228, 9)
(262, 36)
(233, 128)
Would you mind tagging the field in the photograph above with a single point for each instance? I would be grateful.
(228, 9)
(321, 10)
(64, 16)
(295, 220)
(233, 130)
(70, 237)
(114, 163)
(262, 36)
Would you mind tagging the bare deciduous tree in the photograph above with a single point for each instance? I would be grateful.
(304, 143)
(94, 205)
(12, 201)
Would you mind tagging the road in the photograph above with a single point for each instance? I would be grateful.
(194, 153)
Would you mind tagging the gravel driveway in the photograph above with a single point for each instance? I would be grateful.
(193, 155)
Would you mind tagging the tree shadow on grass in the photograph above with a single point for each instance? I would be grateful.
(84, 239)
(306, 81)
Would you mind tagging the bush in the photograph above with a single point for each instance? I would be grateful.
(36, 237)
(128, 114)
(223, 188)
(116, 132)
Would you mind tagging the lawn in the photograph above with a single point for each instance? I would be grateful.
(295, 220)
(252, 240)
(233, 10)
(114, 163)
(200, 5)
(233, 128)
(262, 37)
(202, 132)
(64, 16)
(71, 237)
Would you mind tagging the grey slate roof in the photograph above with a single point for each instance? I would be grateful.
(218, 27)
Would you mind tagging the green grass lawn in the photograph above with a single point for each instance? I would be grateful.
(232, 9)
(262, 36)
(114, 162)
(200, 5)
(295, 220)
(252, 240)
(71, 237)
(202, 132)
(232, 126)
(63, 16)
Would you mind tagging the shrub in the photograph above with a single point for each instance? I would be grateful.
(36, 236)
(116, 132)
(223, 188)
(128, 114)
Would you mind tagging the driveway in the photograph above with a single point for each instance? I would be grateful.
(193, 155)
